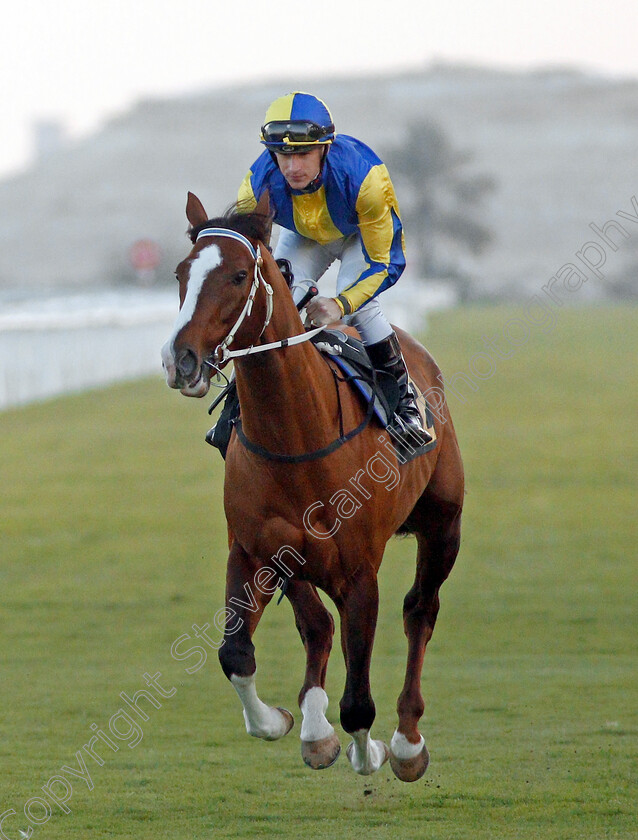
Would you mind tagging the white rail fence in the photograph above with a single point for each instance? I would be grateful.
(60, 344)
(64, 344)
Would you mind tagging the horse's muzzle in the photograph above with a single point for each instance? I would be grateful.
(184, 372)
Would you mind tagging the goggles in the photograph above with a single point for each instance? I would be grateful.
(295, 133)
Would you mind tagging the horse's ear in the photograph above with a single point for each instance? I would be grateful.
(195, 212)
(263, 208)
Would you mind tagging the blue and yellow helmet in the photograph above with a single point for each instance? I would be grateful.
(296, 122)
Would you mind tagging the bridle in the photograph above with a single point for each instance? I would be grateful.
(221, 353)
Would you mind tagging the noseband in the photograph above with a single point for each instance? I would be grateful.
(221, 352)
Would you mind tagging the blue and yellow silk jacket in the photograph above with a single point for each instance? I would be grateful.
(354, 194)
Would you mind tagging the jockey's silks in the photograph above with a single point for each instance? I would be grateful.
(354, 195)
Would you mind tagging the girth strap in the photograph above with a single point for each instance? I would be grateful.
(257, 449)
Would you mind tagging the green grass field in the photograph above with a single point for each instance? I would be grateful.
(113, 545)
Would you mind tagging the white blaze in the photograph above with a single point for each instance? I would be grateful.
(207, 259)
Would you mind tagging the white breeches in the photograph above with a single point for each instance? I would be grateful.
(310, 261)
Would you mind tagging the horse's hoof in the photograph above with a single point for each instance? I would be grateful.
(321, 754)
(290, 721)
(278, 724)
(368, 769)
(410, 769)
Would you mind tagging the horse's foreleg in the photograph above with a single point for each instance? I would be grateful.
(438, 546)
(358, 610)
(319, 744)
(246, 603)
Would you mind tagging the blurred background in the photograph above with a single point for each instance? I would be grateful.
(508, 131)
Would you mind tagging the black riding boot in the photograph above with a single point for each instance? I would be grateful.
(386, 356)
(219, 435)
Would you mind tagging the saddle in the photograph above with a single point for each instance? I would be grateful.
(349, 354)
(377, 389)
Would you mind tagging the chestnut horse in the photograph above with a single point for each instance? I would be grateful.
(307, 504)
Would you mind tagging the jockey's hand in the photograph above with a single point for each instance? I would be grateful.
(322, 311)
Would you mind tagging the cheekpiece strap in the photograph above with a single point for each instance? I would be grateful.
(221, 351)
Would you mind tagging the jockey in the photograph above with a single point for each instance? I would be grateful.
(334, 200)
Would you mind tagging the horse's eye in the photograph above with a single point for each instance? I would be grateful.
(240, 277)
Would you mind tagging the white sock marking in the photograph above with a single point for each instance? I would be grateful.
(367, 755)
(262, 721)
(315, 725)
(404, 749)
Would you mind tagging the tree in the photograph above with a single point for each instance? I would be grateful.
(440, 203)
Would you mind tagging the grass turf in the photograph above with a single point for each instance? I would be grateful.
(113, 546)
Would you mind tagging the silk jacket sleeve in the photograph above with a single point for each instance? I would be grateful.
(246, 198)
(381, 237)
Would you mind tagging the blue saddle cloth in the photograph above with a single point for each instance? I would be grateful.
(349, 354)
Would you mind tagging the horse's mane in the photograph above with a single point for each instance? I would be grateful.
(253, 225)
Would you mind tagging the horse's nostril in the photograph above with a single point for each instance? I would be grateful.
(186, 362)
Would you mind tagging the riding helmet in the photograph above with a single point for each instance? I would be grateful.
(297, 122)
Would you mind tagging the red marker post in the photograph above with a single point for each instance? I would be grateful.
(145, 256)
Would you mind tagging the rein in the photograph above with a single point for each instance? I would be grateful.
(222, 353)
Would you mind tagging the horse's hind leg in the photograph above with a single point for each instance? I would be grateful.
(358, 609)
(237, 653)
(438, 544)
(319, 743)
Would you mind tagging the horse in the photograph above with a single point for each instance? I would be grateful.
(313, 491)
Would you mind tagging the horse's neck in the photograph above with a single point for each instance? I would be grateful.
(287, 395)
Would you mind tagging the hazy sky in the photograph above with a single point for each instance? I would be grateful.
(83, 61)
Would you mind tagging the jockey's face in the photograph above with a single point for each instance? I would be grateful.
(301, 168)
